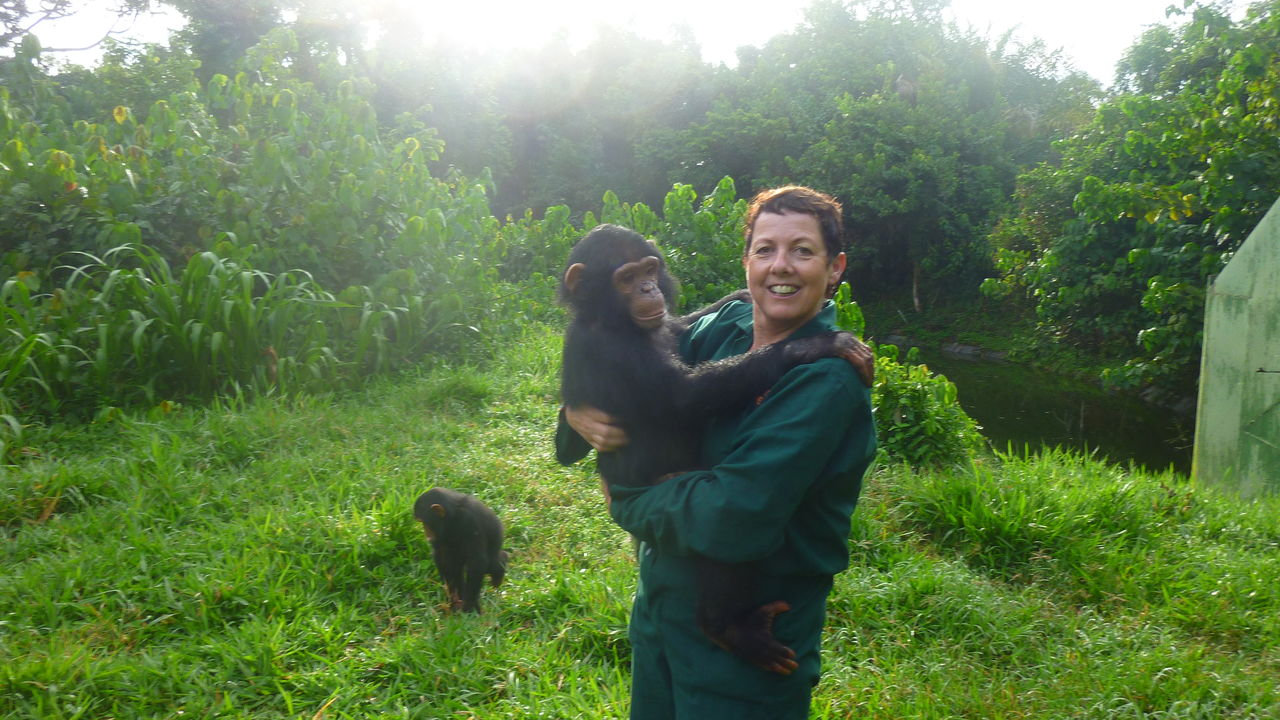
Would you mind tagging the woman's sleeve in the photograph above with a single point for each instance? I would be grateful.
(738, 510)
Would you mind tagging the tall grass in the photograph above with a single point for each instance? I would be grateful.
(1106, 537)
(122, 328)
(258, 559)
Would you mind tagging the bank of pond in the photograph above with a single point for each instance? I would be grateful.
(1022, 409)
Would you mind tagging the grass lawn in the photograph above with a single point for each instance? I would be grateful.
(260, 560)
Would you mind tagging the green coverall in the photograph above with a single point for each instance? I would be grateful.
(785, 477)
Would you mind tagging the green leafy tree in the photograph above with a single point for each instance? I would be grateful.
(919, 128)
(732, 142)
(1115, 243)
(918, 182)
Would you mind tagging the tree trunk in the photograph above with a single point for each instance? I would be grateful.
(915, 285)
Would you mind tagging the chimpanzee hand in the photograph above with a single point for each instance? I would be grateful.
(836, 344)
(859, 355)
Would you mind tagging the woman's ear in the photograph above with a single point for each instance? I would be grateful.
(837, 267)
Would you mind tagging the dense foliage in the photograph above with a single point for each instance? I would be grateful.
(920, 126)
(191, 253)
(271, 203)
(255, 232)
(1116, 242)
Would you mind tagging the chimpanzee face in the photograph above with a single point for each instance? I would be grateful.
(637, 285)
(616, 276)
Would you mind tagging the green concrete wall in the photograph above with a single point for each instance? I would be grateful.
(1238, 420)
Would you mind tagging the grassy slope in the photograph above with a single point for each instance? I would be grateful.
(261, 561)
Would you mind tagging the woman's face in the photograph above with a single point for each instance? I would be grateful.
(788, 272)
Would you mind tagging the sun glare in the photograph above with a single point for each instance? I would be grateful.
(1092, 33)
(719, 27)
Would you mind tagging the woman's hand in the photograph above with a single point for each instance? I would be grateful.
(600, 429)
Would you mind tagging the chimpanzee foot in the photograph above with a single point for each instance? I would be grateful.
(752, 640)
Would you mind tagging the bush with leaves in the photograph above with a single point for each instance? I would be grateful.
(123, 328)
(703, 241)
(276, 172)
(918, 416)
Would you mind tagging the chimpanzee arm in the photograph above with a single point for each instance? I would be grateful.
(684, 321)
(721, 386)
(815, 430)
(633, 377)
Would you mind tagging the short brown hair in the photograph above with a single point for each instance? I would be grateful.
(799, 199)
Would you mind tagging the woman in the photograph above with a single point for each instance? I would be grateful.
(783, 481)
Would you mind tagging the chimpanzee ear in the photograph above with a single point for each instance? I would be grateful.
(438, 509)
(573, 276)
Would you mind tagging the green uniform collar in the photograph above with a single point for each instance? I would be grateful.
(824, 321)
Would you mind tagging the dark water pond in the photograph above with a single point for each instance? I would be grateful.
(1020, 407)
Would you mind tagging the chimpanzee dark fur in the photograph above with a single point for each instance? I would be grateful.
(466, 543)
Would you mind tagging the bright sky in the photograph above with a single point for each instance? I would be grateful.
(1092, 33)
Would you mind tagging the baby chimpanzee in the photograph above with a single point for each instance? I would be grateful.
(466, 543)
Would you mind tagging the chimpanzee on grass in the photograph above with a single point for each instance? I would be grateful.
(466, 543)
(620, 356)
